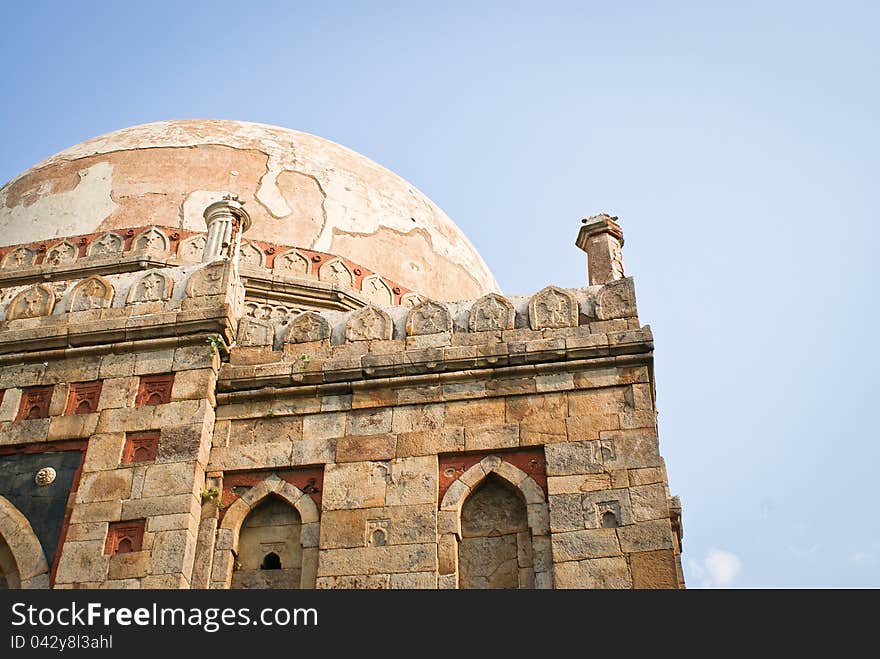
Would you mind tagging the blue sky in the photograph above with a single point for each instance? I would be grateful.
(738, 143)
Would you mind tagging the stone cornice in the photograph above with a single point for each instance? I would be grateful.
(241, 383)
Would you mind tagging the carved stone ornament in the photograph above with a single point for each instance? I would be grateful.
(251, 256)
(151, 240)
(208, 280)
(192, 249)
(616, 300)
(411, 300)
(428, 318)
(376, 532)
(377, 291)
(109, 243)
(336, 272)
(32, 303)
(152, 287)
(253, 332)
(369, 324)
(308, 327)
(92, 293)
(61, 253)
(491, 313)
(551, 308)
(274, 312)
(291, 263)
(20, 258)
(46, 476)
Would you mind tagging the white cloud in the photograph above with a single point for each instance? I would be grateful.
(866, 556)
(718, 570)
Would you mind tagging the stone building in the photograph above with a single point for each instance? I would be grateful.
(239, 356)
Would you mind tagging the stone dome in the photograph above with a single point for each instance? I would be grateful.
(299, 189)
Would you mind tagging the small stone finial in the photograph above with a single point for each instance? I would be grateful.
(227, 220)
(602, 239)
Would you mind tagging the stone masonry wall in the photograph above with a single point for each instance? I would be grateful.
(194, 405)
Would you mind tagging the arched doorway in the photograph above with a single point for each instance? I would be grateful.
(496, 544)
(269, 547)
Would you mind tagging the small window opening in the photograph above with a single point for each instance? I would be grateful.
(271, 562)
(609, 521)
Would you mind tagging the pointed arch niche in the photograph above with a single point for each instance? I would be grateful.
(268, 538)
(494, 529)
(22, 561)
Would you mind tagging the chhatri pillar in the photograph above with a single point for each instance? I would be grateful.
(227, 220)
(602, 239)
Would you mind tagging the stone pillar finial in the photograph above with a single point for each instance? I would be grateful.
(602, 239)
(227, 220)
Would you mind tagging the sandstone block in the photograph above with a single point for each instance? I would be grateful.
(593, 573)
(430, 442)
(566, 513)
(653, 569)
(172, 552)
(582, 483)
(154, 361)
(411, 418)
(101, 511)
(104, 486)
(413, 481)
(491, 437)
(129, 566)
(118, 392)
(591, 543)
(646, 476)
(646, 536)
(649, 502)
(377, 560)
(554, 382)
(355, 485)
(172, 478)
(475, 412)
(10, 404)
(572, 458)
(104, 451)
(369, 447)
(369, 422)
(82, 561)
(324, 426)
(163, 505)
(194, 384)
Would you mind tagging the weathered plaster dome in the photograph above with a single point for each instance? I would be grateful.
(299, 189)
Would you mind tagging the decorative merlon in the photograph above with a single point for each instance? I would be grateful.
(602, 239)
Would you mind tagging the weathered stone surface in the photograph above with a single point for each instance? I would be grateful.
(369, 422)
(571, 458)
(430, 442)
(649, 502)
(413, 481)
(475, 412)
(411, 418)
(104, 486)
(646, 536)
(324, 426)
(355, 485)
(365, 447)
(591, 543)
(566, 513)
(129, 566)
(82, 561)
(104, 451)
(653, 569)
(376, 560)
(171, 478)
(593, 573)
